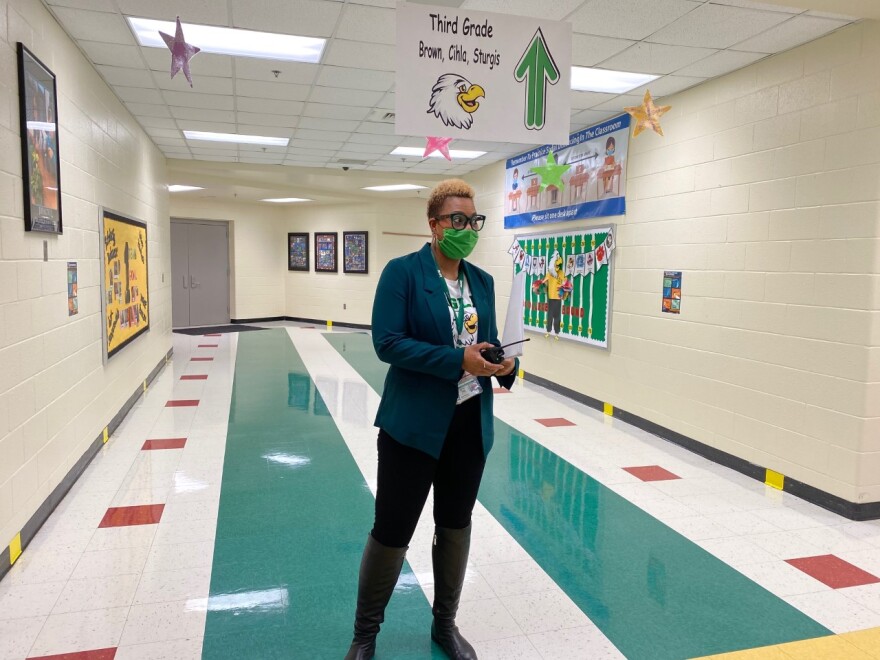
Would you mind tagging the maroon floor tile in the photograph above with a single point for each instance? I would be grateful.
(167, 443)
(216, 334)
(500, 390)
(833, 571)
(98, 654)
(126, 516)
(195, 377)
(201, 359)
(555, 421)
(651, 473)
(182, 403)
(208, 345)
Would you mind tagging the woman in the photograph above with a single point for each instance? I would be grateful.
(433, 314)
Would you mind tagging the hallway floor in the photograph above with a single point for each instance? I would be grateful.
(225, 518)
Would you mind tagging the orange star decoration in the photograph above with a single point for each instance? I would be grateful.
(647, 115)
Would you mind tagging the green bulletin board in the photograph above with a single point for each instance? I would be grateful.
(574, 268)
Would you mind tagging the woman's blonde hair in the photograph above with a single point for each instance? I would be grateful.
(443, 191)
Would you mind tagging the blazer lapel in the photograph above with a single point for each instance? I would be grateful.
(434, 297)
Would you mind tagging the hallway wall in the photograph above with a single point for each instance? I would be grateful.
(56, 395)
(764, 192)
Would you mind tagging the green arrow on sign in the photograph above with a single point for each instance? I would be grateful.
(537, 68)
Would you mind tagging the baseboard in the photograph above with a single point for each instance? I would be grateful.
(297, 319)
(36, 521)
(838, 505)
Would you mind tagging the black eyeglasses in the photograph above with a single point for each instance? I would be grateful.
(461, 221)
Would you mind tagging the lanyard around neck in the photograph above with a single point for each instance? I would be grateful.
(458, 313)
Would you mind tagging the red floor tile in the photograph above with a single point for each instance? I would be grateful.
(500, 390)
(168, 443)
(833, 571)
(126, 516)
(99, 654)
(201, 359)
(208, 345)
(182, 403)
(195, 377)
(216, 334)
(555, 421)
(651, 473)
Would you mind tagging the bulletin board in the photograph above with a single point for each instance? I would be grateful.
(124, 288)
(567, 283)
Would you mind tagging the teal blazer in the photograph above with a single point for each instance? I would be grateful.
(412, 333)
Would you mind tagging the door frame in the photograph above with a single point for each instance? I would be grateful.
(230, 269)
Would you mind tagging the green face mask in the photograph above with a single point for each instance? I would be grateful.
(458, 243)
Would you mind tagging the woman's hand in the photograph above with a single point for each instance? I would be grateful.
(507, 367)
(476, 364)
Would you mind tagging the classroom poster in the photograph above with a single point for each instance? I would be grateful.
(126, 304)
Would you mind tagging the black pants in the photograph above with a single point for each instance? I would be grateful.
(406, 474)
(554, 314)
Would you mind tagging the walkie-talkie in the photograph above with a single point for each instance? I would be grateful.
(495, 355)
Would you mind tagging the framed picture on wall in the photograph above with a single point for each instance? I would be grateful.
(297, 251)
(354, 252)
(40, 165)
(325, 252)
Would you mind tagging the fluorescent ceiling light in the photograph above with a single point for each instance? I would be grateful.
(418, 151)
(235, 137)
(397, 186)
(228, 41)
(585, 79)
(286, 200)
(179, 188)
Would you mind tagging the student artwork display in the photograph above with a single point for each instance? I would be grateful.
(72, 289)
(297, 251)
(325, 252)
(567, 283)
(124, 283)
(584, 179)
(354, 252)
(672, 292)
(40, 165)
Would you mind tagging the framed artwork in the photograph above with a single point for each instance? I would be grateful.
(40, 165)
(354, 252)
(325, 252)
(124, 285)
(297, 251)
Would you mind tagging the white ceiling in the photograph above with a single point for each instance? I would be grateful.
(333, 111)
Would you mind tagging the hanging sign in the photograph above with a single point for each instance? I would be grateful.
(481, 76)
(583, 178)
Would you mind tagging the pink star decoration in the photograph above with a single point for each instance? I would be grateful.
(181, 52)
(440, 144)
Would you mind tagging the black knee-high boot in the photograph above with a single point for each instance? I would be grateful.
(450, 555)
(380, 568)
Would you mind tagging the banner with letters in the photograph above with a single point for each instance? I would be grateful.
(591, 169)
(481, 76)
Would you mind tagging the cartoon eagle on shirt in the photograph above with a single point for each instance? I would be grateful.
(454, 100)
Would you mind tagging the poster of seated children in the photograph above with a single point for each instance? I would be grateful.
(585, 178)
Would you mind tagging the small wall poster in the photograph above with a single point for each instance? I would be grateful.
(72, 290)
(354, 252)
(325, 252)
(672, 292)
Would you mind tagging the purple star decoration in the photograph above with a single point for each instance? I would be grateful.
(181, 52)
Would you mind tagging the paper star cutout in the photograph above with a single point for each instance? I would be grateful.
(440, 144)
(647, 115)
(181, 52)
(551, 173)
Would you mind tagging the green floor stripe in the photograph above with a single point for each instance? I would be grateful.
(655, 594)
(294, 515)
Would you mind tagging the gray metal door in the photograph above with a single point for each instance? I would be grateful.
(200, 273)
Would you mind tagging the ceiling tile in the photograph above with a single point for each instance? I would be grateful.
(261, 119)
(156, 122)
(201, 114)
(360, 54)
(794, 32)
(329, 111)
(94, 5)
(589, 50)
(590, 117)
(321, 136)
(308, 18)
(268, 106)
(201, 85)
(220, 159)
(259, 148)
(718, 26)
(825, 14)
(355, 147)
(113, 54)
(376, 128)
(192, 100)
(203, 64)
(628, 19)
(618, 103)
(656, 58)
(208, 12)
(271, 90)
(385, 140)
(359, 20)
(340, 96)
(751, 4)
(138, 95)
(265, 131)
(553, 10)
(221, 150)
(115, 75)
(320, 124)
(724, 61)
(340, 76)
(667, 85)
(210, 126)
(170, 142)
(583, 100)
(94, 25)
(298, 73)
(148, 109)
(315, 144)
(327, 153)
(164, 133)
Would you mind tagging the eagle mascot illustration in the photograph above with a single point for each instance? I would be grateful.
(454, 100)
